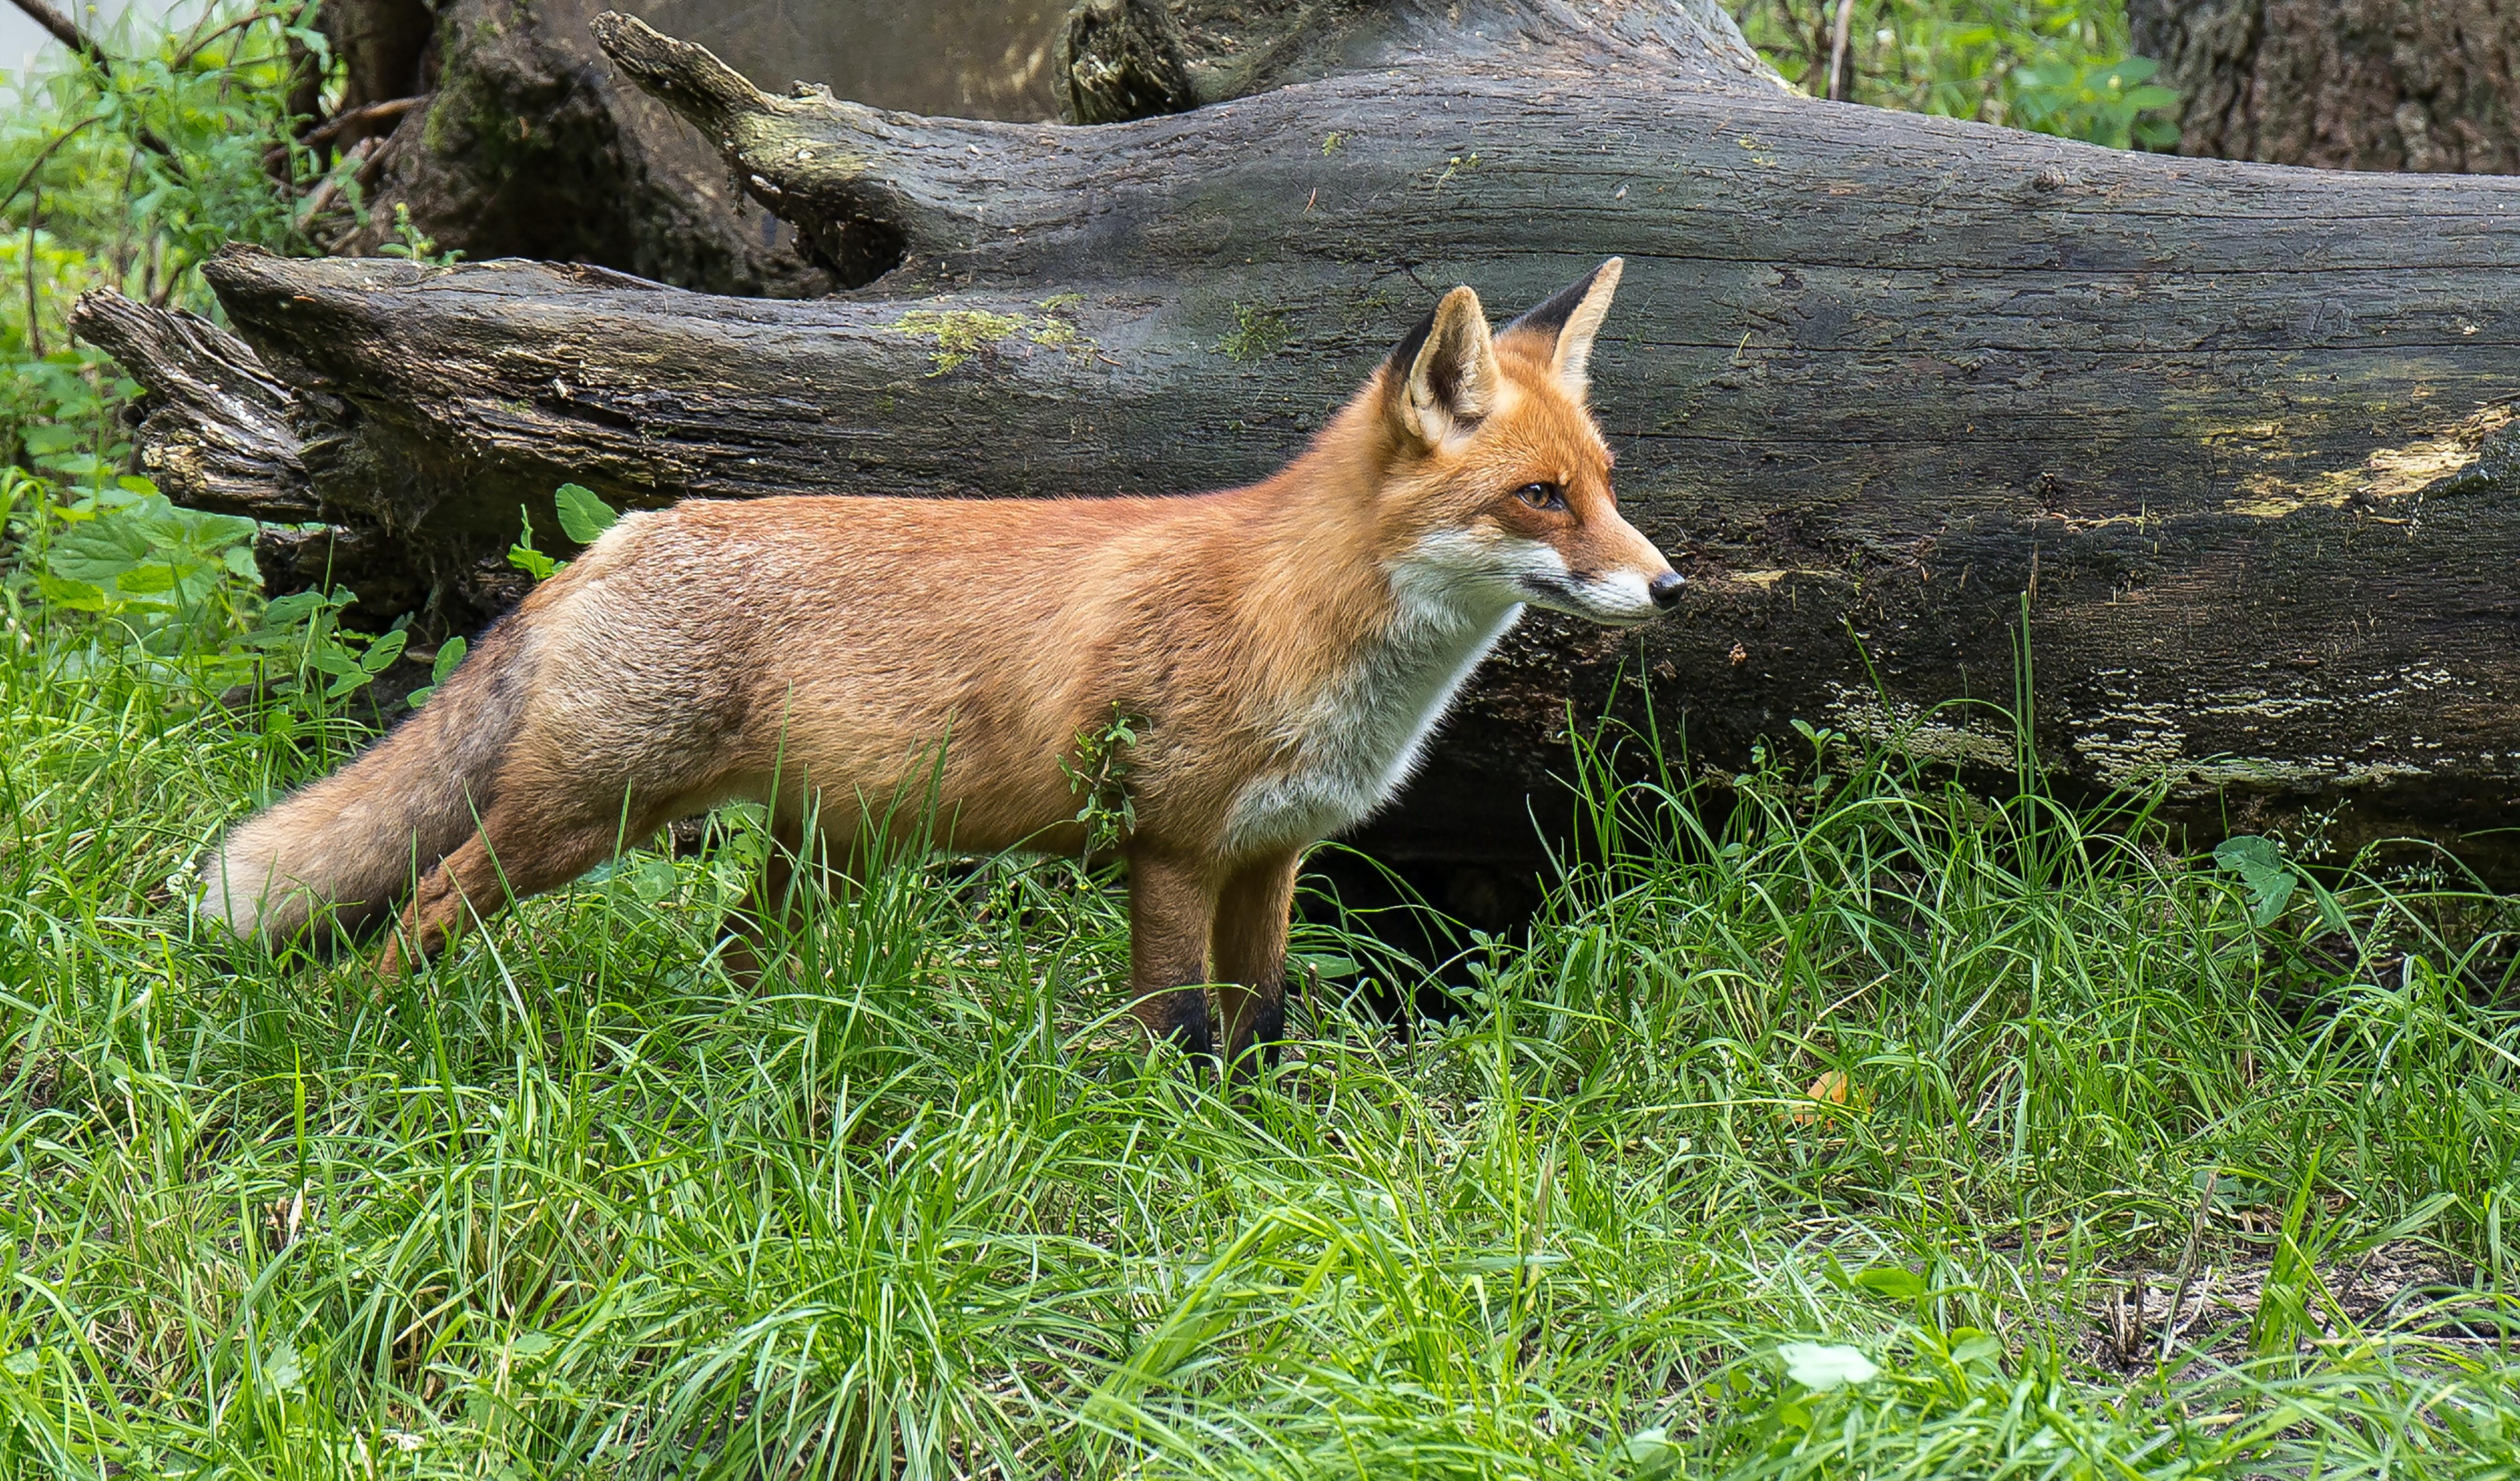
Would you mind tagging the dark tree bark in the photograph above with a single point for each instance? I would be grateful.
(2425, 85)
(2233, 441)
(530, 148)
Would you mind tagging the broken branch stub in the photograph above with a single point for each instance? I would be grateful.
(864, 187)
(215, 430)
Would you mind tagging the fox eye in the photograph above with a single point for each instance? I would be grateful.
(1542, 495)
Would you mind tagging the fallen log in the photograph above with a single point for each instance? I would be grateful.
(2233, 441)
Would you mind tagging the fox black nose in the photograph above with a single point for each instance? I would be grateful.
(1665, 589)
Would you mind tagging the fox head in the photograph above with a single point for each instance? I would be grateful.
(1495, 480)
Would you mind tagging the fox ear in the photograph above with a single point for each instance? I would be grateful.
(1443, 377)
(1569, 318)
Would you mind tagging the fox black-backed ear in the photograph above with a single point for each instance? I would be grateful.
(1570, 318)
(1443, 377)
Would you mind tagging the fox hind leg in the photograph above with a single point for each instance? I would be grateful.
(511, 858)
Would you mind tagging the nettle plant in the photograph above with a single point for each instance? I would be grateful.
(173, 580)
(175, 592)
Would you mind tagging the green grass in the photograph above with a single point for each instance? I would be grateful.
(572, 1205)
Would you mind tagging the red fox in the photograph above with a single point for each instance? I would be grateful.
(1289, 646)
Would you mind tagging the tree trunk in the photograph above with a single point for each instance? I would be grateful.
(2423, 85)
(528, 148)
(2233, 441)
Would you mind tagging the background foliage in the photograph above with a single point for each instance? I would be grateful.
(2058, 67)
(128, 170)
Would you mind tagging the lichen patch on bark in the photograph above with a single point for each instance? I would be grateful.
(2388, 474)
(959, 335)
(1920, 733)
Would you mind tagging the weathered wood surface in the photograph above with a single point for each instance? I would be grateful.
(216, 430)
(2234, 434)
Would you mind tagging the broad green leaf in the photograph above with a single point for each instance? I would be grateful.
(2262, 868)
(77, 465)
(283, 1373)
(523, 554)
(1819, 1365)
(77, 596)
(44, 439)
(1898, 1283)
(2270, 898)
(653, 880)
(99, 551)
(146, 580)
(194, 581)
(582, 515)
(214, 531)
(1976, 1347)
(1649, 1454)
(384, 652)
(291, 610)
(449, 654)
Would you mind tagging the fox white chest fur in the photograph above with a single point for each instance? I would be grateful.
(1356, 740)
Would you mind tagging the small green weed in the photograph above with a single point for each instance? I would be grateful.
(583, 518)
(411, 247)
(1099, 777)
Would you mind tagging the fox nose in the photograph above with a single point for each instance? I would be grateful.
(1665, 589)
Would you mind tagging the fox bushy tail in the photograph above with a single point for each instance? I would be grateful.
(347, 848)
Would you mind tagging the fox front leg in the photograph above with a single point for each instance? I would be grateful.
(1252, 916)
(1170, 911)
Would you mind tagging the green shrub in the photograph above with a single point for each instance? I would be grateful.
(2058, 66)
